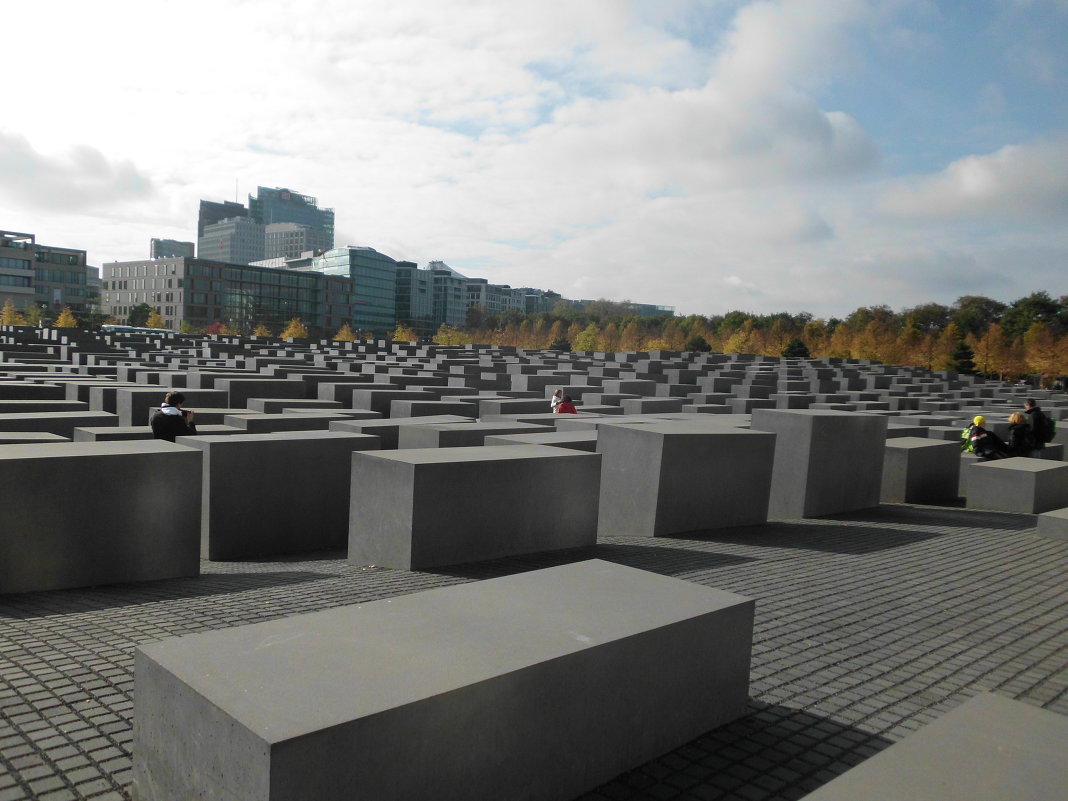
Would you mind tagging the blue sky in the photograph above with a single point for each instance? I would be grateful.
(776, 155)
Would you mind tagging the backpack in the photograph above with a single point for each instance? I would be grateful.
(1045, 428)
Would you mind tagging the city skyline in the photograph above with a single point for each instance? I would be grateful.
(812, 155)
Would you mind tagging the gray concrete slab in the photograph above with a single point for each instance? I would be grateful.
(457, 435)
(920, 470)
(118, 512)
(488, 690)
(1018, 484)
(988, 749)
(421, 508)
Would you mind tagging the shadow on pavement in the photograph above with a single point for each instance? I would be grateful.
(939, 516)
(773, 753)
(811, 536)
(91, 599)
(660, 559)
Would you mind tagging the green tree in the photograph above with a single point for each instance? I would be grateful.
(697, 344)
(796, 349)
(963, 358)
(139, 314)
(31, 313)
(1037, 307)
(975, 313)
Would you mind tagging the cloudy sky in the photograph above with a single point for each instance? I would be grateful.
(706, 154)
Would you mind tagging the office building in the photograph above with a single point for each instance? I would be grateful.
(199, 292)
(493, 298)
(449, 304)
(285, 206)
(288, 240)
(16, 268)
(237, 240)
(48, 276)
(415, 298)
(211, 213)
(375, 285)
(171, 249)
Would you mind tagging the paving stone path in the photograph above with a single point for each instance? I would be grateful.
(868, 626)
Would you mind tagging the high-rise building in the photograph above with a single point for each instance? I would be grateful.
(211, 213)
(375, 284)
(285, 206)
(237, 240)
(171, 249)
(288, 240)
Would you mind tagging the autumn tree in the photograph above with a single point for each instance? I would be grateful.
(345, 334)
(261, 331)
(31, 313)
(9, 315)
(608, 341)
(1043, 353)
(295, 330)
(631, 339)
(155, 320)
(403, 333)
(66, 319)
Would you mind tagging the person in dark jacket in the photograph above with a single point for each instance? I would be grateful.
(1021, 440)
(985, 444)
(1037, 422)
(566, 406)
(171, 420)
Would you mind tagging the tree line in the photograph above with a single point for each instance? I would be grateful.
(975, 334)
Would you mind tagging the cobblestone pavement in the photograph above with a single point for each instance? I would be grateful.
(868, 626)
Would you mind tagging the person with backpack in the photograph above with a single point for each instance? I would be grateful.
(1042, 427)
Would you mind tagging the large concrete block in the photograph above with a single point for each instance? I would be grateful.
(272, 423)
(533, 686)
(920, 470)
(61, 423)
(428, 507)
(1054, 524)
(576, 440)
(29, 437)
(119, 433)
(379, 400)
(388, 431)
(825, 461)
(1018, 484)
(660, 479)
(34, 405)
(117, 511)
(988, 749)
(241, 390)
(286, 493)
(425, 408)
(135, 405)
(459, 435)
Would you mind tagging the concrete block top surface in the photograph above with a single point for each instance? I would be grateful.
(1022, 464)
(988, 749)
(297, 675)
(476, 453)
(66, 450)
(685, 428)
(278, 436)
(920, 442)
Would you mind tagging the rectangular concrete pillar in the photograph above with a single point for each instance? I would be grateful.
(826, 461)
(662, 479)
(920, 470)
(540, 686)
(422, 508)
(97, 513)
(1019, 484)
(278, 494)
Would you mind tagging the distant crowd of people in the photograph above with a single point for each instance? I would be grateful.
(1028, 434)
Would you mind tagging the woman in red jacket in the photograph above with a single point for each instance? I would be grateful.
(566, 406)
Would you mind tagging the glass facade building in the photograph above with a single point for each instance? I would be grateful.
(374, 277)
(285, 206)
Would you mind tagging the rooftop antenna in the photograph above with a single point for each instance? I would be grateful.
(235, 190)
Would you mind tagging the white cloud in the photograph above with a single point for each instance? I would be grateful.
(1027, 181)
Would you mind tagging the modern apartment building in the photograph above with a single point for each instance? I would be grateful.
(200, 292)
(450, 294)
(171, 249)
(494, 298)
(415, 298)
(236, 240)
